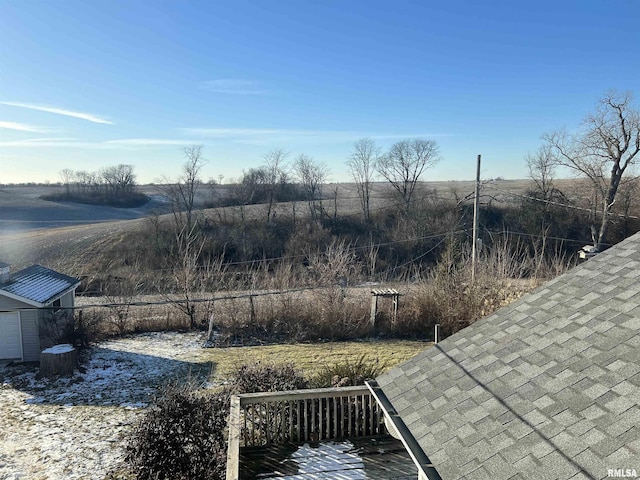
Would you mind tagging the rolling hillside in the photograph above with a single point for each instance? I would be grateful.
(63, 235)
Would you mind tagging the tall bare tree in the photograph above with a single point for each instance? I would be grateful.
(119, 179)
(275, 170)
(405, 162)
(541, 166)
(362, 163)
(311, 176)
(182, 194)
(604, 148)
(67, 175)
(184, 259)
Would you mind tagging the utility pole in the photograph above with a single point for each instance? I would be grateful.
(474, 251)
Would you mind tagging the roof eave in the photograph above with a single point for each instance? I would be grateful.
(422, 462)
(34, 303)
(13, 296)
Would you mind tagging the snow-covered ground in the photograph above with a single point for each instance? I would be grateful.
(73, 428)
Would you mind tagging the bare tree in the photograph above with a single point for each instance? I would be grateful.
(602, 151)
(334, 268)
(186, 273)
(182, 194)
(405, 162)
(252, 188)
(311, 175)
(185, 258)
(121, 294)
(84, 181)
(67, 175)
(541, 166)
(362, 164)
(194, 273)
(275, 170)
(119, 179)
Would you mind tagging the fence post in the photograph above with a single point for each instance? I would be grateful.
(374, 310)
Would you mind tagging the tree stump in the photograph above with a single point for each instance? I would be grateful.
(58, 360)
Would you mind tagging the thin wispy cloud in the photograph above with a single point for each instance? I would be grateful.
(56, 142)
(47, 142)
(250, 132)
(148, 142)
(267, 135)
(22, 127)
(398, 136)
(233, 86)
(60, 111)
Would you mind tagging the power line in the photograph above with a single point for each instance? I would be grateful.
(178, 301)
(551, 202)
(524, 234)
(291, 257)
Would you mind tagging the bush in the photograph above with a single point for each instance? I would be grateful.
(181, 437)
(258, 377)
(450, 299)
(348, 373)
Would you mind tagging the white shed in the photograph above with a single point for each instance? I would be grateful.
(35, 305)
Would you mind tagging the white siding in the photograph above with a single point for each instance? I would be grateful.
(10, 336)
(30, 335)
(34, 334)
(7, 303)
(29, 327)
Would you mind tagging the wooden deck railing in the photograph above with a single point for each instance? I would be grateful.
(299, 416)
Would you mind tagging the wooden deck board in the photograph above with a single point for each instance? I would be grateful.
(381, 458)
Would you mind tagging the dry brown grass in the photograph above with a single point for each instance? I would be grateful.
(73, 246)
(311, 359)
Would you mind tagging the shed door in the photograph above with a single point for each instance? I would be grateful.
(10, 336)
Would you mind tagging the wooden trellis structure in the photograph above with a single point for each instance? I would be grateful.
(384, 293)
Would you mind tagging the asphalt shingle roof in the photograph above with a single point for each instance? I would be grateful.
(38, 284)
(545, 388)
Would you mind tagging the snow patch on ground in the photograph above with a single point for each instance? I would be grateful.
(62, 348)
(73, 428)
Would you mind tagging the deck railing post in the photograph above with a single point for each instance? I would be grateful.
(299, 416)
(233, 452)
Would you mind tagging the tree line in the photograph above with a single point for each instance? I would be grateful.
(114, 185)
(602, 152)
(598, 207)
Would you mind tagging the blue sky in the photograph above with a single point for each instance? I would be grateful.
(88, 84)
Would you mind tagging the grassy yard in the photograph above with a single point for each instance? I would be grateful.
(311, 359)
(77, 427)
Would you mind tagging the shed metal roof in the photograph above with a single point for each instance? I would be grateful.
(38, 285)
(545, 388)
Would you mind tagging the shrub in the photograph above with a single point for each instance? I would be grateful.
(87, 328)
(259, 377)
(450, 299)
(348, 373)
(181, 437)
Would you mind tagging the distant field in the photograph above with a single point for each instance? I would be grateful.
(35, 230)
(21, 209)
